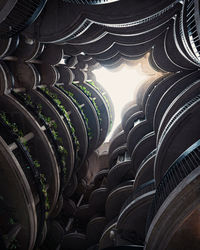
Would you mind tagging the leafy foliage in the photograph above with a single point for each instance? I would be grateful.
(19, 134)
(80, 108)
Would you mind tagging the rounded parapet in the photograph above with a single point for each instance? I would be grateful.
(49, 116)
(186, 95)
(133, 120)
(132, 219)
(174, 139)
(176, 212)
(116, 199)
(120, 154)
(28, 50)
(107, 238)
(98, 198)
(90, 115)
(119, 173)
(140, 129)
(142, 150)
(77, 122)
(55, 234)
(127, 113)
(159, 89)
(116, 141)
(101, 107)
(145, 171)
(32, 136)
(16, 193)
(177, 86)
(17, 15)
(189, 24)
(95, 228)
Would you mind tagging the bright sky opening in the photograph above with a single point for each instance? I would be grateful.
(121, 86)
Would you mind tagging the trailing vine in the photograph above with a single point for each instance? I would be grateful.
(62, 110)
(50, 125)
(78, 105)
(18, 134)
(89, 95)
(106, 100)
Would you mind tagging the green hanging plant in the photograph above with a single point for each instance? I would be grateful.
(50, 123)
(66, 115)
(72, 98)
(89, 95)
(20, 135)
(106, 100)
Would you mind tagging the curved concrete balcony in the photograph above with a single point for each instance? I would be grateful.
(118, 155)
(174, 210)
(66, 75)
(90, 113)
(40, 109)
(122, 171)
(14, 184)
(148, 90)
(25, 74)
(9, 46)
(128, 113)
(107, 102)
(145, 171)
(98, 198)
(176, 139)
(28, 50)
(132, 41)
(17, 15)
(77, 130)
(132, 219)
(160, 86)
(189, 28)
(49, 74)
(99, 177)
(102, 104)
(142, 150)
(117, 141)
(84, 214)
(77, 24)
(55, 234)
(174, 48)
(100, 108)
(43, 180)
(33, 135)
(79, 107)
(170, 94)
(186, 95)
(107, 239)
(95, 228)
(161, 57)
(137, 133)
(78, 123)
(116, 199)
(133, 121)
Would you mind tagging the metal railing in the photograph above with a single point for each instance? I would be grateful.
(192, 28)
(177, 115)
(180, 169)
(23, 14)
